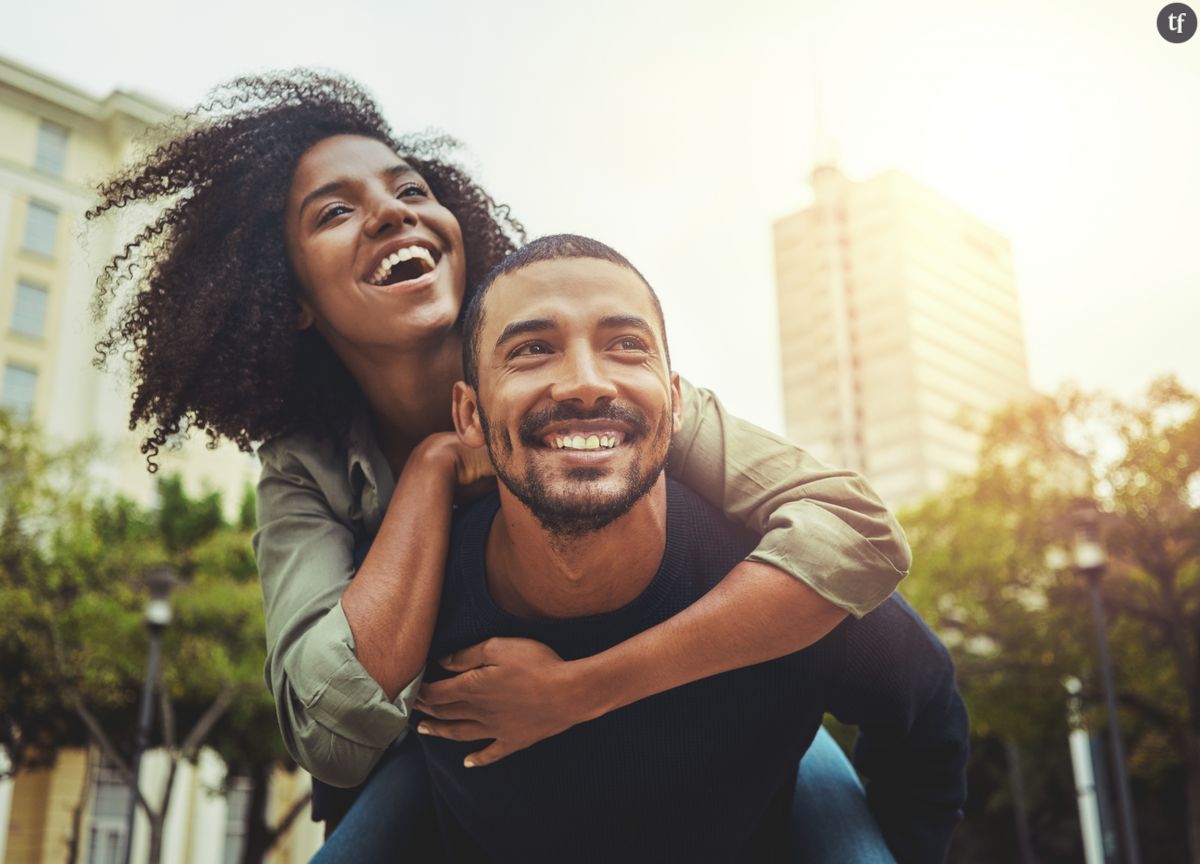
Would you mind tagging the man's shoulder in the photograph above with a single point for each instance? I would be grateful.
(894, 637)
(695, 512)
(472, 520)
(696, 527)
(894, 613)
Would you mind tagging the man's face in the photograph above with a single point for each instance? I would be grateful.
(575, 404)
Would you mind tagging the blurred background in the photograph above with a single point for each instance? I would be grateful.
(950, 246)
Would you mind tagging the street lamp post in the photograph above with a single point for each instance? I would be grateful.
(157, 616)
(1090, 561)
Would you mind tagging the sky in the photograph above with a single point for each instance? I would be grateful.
(678, 131)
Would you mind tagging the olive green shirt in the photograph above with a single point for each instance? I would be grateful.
(321, 501)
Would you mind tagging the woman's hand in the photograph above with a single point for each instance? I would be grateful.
(471, 467)
(516, 691)
(473, 470)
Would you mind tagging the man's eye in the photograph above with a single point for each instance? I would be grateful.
(630, 343)
(531, 349)
(331, 212)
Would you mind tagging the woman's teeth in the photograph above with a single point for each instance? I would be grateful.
(590, 442)
(409, 253)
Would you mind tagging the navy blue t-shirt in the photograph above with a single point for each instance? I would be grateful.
(703, 772)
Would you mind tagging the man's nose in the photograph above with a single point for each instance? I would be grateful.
(581, 378)
(388, 213)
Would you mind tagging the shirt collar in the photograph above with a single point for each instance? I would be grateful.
(367, 471)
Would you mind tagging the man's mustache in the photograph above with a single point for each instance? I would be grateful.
(533, 423)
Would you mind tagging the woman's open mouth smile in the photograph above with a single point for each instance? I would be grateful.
(406, 267)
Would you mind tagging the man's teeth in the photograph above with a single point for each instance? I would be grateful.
(408, 253)
(590, 442)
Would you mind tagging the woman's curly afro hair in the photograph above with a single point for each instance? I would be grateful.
(202, 299)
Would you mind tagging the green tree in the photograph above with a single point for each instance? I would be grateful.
(72, 639)
(1017, 627)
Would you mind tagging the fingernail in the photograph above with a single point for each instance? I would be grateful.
(424, 729)
(468, 762)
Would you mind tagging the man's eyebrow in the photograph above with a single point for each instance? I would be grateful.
(618, 322)
(529, 325)
(337, 185)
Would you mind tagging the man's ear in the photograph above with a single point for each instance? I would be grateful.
(304, 315)
(465, 409)
(676, 404)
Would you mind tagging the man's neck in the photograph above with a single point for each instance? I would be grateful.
(534, 573)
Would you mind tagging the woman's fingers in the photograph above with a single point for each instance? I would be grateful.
(448, 710)
(454, 730)
(494, 752)
(474, 465)
(471, 657)
(516, 691)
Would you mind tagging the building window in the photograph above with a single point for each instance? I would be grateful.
(41, 226)
(237, 802)
(29, 312)
(51, 154)
(110, 808)
(17, 391)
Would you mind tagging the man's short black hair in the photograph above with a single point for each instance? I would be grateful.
(550, 248)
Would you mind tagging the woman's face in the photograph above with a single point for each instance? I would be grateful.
(379, 260)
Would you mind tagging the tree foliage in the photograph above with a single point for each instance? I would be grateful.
(73, 643)
(1018, 627)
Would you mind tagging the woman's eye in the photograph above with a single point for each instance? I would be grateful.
(331, 212)
(412, 190)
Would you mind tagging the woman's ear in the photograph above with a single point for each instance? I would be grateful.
(465, 408)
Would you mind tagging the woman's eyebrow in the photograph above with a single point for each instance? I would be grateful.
(337, 185)
(398, 170)
(321, 191)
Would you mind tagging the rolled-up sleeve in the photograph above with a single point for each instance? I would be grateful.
(823, 525)
(335, 718)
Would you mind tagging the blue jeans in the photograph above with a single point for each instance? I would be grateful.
(393, 817)
(830, 820)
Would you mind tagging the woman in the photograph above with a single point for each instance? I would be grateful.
(303, 287)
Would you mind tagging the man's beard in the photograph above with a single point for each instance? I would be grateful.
(575, 513)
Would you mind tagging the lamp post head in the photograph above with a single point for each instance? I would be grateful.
(1088, 551)
(161, 580)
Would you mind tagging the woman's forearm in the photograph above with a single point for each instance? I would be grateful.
(391, 604)
(823, 525)
(519, 692)
(755, 614)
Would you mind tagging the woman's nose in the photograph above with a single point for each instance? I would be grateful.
(389, 213)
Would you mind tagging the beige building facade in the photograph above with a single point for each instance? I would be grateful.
(56, 143)
(899, 320)
(77, 811)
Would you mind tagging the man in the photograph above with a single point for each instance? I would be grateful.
(586, 544)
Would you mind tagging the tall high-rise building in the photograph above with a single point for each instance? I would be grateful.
(899, 321)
